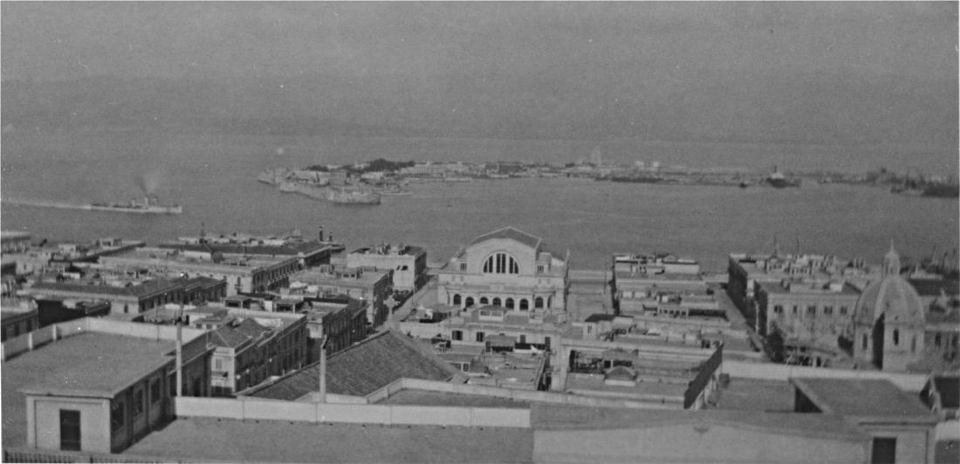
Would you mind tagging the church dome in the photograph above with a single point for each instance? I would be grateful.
(891, 296)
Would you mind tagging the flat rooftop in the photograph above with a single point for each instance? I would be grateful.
(861, 397)
(150, 255)
(90, 363)
(808, 288)
(557, 417)
(434, 398)
(227, 440)
(756, 395)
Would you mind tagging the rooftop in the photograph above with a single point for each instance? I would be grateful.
(553, 417)
(288, 247)
(144, 288)
(756, 395)
(390, 250)
(435, 398)
(804, 286)
(90, 363)
(363, 368)
(510, 233)
(276, 441)
(861, 397)
(152, 255)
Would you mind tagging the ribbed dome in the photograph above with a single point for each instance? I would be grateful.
(892, 295)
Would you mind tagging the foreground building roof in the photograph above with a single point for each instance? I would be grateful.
(228, 440)
(363, 368)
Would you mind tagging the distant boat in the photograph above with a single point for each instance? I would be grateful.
(778, 180)
(147, 207)
(641, 179)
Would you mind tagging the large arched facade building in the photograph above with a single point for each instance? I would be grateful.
(506, 268)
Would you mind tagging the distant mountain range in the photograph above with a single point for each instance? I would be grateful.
(815, 108)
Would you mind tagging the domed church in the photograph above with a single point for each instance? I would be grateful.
(888, 322)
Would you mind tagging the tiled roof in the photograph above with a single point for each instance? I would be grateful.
(228, 337)
(234, 336)
(363, 368)
(933, 287)
(510, 233)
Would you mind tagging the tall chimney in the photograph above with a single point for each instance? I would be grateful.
(323, 370)
(180, 353)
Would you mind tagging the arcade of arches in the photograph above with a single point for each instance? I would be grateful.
(509, 302)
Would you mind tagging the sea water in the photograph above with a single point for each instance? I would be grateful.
(214, 178)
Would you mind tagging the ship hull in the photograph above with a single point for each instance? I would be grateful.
(154, 209)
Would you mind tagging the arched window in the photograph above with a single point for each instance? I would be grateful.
(509, 303)
(456, 300)
(896, 336)
(484, 300)
(496, 301)
(469, 301)
(538, 302)
(524, 304)
(501, 263)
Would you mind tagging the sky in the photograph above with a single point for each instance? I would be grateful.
(813, 71)
(670, 41)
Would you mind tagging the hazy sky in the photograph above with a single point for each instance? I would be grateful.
(663, 41)
(816, 72)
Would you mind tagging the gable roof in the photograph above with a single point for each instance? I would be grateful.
(510, 233)
(363, 368)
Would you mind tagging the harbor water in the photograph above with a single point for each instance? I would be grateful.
(214, 178)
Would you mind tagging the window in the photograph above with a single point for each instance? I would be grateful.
(884, 450)
(509, 303)
(540, 267)
(794, 310)
(896, 336)
(456, 300)
(218, 364)
(538, 302)
(69, 430)
(778, 309)
(864, 343)
(496, 301)
(484, 300)
(457, 335)
(463, 267)
(524, 305)
(828, 310)
(117, 414)
(913, 344)
(468, 302)
(843, 310)
(138, 402)
(501, 263)
(812, 310)
(479, 336)
(936, 340)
